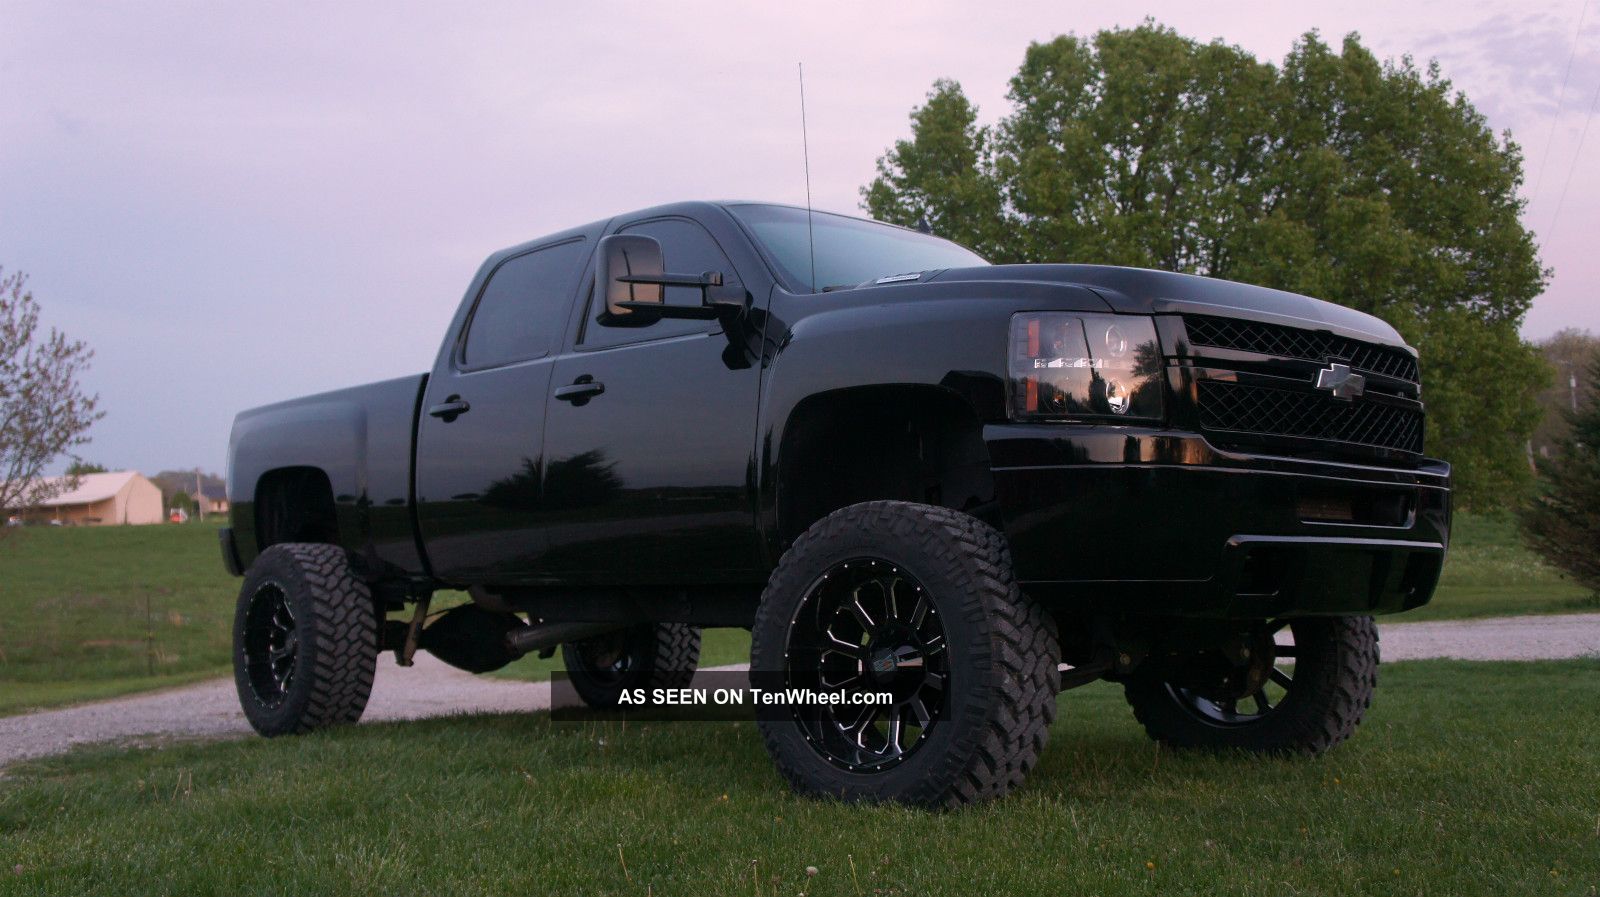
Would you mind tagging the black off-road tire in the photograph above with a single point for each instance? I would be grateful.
(1335, 673)
(1002, 650)
(654, 655)
(334, 628)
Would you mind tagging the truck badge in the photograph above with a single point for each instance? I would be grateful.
(1342, 382)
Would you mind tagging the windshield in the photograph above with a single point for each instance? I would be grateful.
(850, 251)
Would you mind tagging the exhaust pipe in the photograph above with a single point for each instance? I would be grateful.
(540, 636)
(477, 640)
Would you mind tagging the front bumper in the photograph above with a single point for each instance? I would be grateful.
(230, 552)
(1159, 521)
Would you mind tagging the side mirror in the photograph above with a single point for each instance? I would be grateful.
(632, 274)
(630, 256)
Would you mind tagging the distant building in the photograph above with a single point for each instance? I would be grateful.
(102, 499)
(212, 499)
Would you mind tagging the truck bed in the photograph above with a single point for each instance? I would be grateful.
(362, 438)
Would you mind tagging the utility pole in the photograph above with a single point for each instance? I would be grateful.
(199, 497)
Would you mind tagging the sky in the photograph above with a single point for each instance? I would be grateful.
(236, 204)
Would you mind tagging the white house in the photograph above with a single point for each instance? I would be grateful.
(103, 499)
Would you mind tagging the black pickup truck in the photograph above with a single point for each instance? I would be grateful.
(905, 470)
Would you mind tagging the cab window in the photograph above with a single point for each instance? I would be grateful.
(523, 307)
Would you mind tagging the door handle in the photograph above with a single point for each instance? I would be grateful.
(450, 409)
(582, 390)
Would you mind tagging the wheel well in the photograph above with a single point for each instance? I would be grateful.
(295, 504)
(913, 443)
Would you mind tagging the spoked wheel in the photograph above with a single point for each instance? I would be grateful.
(867, 627)
(1246, 695)
(918, 603)
(305, 640)
(1303, 687)
(650, 655)
(270, 644)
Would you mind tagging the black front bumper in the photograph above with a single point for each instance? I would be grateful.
(1152, 521)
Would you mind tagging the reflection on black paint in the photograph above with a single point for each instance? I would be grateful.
(585, 480)
(518, 492)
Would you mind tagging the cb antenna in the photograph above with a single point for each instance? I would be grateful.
(805, 148)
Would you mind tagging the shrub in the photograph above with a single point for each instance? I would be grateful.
(1562, 522)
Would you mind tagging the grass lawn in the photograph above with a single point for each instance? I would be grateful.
(1466, 779)
(94, 612)
(91, 613)
(1490, 573)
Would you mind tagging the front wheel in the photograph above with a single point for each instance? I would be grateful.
(305, 640)
(917, 604)
(1308, 689)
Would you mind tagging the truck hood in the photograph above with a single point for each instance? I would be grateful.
(1143, 291)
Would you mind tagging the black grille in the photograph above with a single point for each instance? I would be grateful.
(1292, 342)
(1266, 411)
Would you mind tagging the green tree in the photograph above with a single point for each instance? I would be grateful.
(182, 502)
(1372, 184)
(80, 468)
(1562, 522)
(941, 177)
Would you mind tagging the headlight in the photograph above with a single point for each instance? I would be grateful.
(1066, 365)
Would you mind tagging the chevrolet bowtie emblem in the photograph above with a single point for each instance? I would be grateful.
(1341, 381)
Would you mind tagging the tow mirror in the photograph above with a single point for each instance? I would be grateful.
(623, 259)
(632, 274)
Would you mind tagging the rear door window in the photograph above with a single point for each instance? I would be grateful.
(523, 308)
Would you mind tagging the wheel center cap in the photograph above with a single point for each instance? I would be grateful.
(884, 664)
(898, 666)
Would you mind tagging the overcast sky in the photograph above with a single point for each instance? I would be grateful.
(235, 204)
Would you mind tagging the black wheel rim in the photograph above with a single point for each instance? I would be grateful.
(867, 625)
(1272, 685)
(607, 659)
(271, 644)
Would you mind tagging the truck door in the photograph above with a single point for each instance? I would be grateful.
(480, 460)
(649, 438)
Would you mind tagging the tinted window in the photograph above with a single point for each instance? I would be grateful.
(523, 307)
(849, 251)
(688, 249)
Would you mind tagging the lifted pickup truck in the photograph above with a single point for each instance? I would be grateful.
(903, 469)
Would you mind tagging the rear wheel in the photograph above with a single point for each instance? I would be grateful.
(1307, 687)
(917, 603)
(651, 655)
(305, 640)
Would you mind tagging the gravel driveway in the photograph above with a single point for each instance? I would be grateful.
(211, 709)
